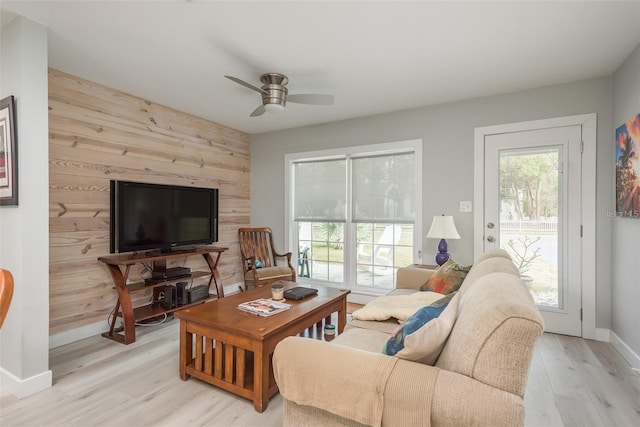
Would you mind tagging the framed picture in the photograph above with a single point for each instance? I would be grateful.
(628, 168)
(8, 153)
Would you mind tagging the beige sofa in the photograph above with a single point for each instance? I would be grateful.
(479, 378)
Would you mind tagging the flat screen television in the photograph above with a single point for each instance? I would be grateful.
(161, 217)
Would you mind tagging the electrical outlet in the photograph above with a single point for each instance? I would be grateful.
(466, 206)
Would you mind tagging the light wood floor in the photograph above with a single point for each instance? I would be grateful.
(98, 382)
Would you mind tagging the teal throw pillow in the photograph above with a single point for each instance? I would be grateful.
(396, 341)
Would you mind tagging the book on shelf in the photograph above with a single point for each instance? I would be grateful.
(264, 307)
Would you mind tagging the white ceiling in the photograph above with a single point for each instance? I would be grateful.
(375, 57)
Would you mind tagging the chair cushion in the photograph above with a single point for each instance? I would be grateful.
(269, 273)
(421, 337)
(447, 279)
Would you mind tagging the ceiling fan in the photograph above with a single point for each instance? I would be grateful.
(275, 94)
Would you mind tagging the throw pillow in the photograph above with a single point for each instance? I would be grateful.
(422, 336)
(448, 278)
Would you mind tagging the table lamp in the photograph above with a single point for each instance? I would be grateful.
(442, 228)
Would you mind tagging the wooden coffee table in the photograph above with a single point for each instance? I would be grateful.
(233, 349)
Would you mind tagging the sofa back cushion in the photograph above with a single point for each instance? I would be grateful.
(486, 266)
(412, 277)
(495, 333)
(493, 253)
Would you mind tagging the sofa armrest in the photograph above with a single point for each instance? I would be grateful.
(412, 278)
(362, 386)
(459, 400)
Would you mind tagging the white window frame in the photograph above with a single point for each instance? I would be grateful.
(414, 145)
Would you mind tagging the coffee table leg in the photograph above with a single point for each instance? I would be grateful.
(342, 316)
(260, 379)
(186, 345)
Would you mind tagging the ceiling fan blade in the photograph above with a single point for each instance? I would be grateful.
(245, 84)
(311, 98)
(258, 111)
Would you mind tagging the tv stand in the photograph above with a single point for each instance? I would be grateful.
(175, 251)
(120, 266)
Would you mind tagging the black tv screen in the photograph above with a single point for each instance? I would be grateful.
(155, 216)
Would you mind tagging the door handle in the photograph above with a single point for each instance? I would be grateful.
(490, 239)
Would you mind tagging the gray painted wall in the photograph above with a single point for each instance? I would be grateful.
(625, 277)
(447, 132)
(24, 229)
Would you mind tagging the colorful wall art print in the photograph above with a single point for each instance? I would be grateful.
(628, 168)
(8, 153)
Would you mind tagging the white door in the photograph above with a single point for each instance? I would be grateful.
(532, 209)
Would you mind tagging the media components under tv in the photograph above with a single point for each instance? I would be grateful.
(157, 216)
(198, 292)
(170, 297)
(171, 273)
(183, 296)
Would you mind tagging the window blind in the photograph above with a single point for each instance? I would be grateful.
(383, 188)
(320, 192)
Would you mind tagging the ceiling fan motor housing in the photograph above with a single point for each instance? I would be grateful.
(276, 94)
(275, 86)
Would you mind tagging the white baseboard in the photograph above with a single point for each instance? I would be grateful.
(24, 388)
(97, 328)
(602, 335)
(627, 353)
(78, 334)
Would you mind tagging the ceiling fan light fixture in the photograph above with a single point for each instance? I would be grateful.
(274, 94)
(274, 108)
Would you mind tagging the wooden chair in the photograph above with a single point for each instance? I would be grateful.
(6, 293)
(256, 247)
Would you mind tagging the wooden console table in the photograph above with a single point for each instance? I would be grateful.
(120, 266)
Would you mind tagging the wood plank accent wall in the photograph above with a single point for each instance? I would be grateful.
(97, 134)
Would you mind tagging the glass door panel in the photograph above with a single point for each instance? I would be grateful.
(530, 208)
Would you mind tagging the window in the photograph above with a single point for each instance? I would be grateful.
(353, 213)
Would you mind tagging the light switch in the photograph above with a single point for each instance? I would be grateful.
(466, 206)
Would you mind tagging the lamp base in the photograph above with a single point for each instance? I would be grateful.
(442, 256)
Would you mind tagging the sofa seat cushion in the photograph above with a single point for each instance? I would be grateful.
(402, 292)
(384, 326)
(421, 337)
(362, 339)
(395, 306)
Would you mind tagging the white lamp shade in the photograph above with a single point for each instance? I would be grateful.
(443, 227)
